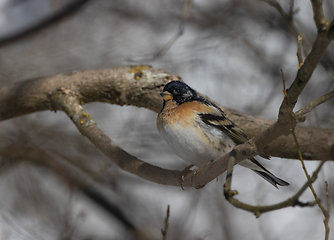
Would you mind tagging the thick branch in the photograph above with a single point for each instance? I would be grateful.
(67, 101)
(140, 86)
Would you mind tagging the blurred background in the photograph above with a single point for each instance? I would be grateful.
(230, 50)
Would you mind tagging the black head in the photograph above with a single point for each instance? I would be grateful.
(179, 92)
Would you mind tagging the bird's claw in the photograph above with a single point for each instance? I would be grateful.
(184, 173)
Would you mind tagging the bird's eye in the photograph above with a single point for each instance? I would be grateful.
(176, 91)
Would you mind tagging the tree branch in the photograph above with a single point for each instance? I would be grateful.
(282, 124)
(258, 210)
(305, 71)
(318, 14)
(67, 101)
(309, 107)
(327, 213)
(140, 86)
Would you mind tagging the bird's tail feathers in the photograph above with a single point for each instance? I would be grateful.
(253, 164)
(271, 178)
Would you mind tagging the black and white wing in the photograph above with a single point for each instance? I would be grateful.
(219, 121)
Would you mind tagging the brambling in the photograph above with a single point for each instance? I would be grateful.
(199, 132)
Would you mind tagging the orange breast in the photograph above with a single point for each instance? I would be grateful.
(184, 114)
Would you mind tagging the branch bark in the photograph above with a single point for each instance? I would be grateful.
(138, 86)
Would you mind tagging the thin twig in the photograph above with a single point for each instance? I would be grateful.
(304, 73)
(309, 107)
(323, 26)
(258, 210)
(291, 9)
(320, 45)
(293, 201)
(326, 213)
(166, 225)
(293, 125)
(299, 50)
(300, 154)
(294, 135)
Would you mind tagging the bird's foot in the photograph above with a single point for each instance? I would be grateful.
(188, 170)
(184, 173)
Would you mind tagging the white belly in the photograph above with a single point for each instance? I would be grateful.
(194, 147)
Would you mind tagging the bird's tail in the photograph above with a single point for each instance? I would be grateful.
(271, 178)
(263, 172)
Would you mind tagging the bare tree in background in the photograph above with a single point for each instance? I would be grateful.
(227, 49)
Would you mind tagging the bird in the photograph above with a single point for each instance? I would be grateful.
(198, 131)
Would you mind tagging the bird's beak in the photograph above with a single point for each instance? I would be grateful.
(166, 95)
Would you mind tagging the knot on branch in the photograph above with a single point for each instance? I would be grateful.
(305, 204)
(228, 193)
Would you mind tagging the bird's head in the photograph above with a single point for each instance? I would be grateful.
(179, 92)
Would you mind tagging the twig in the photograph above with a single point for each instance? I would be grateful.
(301, 157)
(292, 121)
(309, 107)
(278, 7)
(258, 210)
(320, 45)
(323, 27)
(304, 73)
(282, 124)
(326, 213)
(166, 225)
(185, 14)
(291, 9)
(299, 50)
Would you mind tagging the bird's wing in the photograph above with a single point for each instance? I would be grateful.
(225, 125)
(219, 121)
